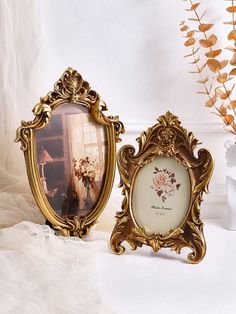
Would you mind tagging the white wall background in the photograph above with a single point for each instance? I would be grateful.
(131, 52)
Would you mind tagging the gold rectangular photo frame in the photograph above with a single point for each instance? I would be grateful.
(163, 184)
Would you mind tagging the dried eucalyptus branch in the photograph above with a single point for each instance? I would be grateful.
(220, 96)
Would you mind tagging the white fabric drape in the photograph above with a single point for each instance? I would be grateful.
(20, 76)
(44, 273)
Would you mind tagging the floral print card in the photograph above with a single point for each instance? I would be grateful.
(161, 195)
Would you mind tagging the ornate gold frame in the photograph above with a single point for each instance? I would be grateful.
(169, 139)
(70, 88)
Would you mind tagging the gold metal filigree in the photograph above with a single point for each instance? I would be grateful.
(70, 88)
(166, 138)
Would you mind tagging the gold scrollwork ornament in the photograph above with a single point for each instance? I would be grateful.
(167, 138)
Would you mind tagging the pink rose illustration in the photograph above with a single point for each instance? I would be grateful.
(164, 183)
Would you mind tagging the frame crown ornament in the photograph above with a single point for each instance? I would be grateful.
(167, 138)
(69, 89)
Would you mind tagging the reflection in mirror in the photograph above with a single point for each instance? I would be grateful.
(71, 154)
(161, 195)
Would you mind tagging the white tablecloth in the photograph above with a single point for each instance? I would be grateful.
(143, 282)
(42, 273)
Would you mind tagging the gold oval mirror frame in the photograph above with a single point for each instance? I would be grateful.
(70, 154)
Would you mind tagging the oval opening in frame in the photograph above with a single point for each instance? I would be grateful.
(161, 195)
(71, 155)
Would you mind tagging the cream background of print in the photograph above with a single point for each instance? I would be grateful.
(148, 209)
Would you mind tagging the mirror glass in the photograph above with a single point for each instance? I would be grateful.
(71, 154)
(161, 195)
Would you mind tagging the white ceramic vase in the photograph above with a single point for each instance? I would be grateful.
(231, 183)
